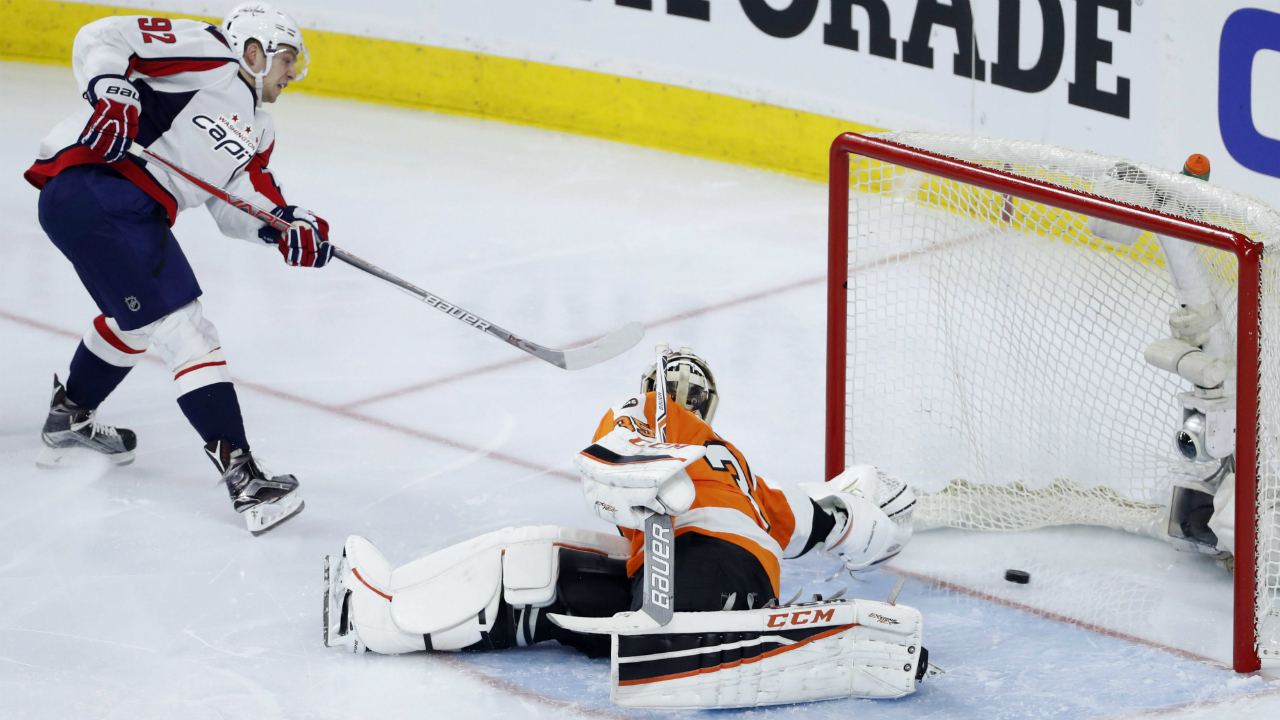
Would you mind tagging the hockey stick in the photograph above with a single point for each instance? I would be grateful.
(607, 347)
(659, 532)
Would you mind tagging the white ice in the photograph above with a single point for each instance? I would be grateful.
(136, 592)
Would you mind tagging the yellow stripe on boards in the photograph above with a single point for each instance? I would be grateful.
(637, 112)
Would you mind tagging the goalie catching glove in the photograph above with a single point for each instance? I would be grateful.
(873, 515)
(627, 477)
(305, 243)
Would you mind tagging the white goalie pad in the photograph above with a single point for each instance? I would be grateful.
(770, 656)
(450, 598)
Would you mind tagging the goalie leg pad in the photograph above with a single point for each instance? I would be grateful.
(794, 654)
(366, 579)
(451, 599)
(747, 658)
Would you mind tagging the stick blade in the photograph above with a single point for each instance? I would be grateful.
(606, 348)
(624, 623)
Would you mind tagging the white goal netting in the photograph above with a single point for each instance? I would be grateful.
(995, 345)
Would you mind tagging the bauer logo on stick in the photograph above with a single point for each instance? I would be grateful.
(660, 568)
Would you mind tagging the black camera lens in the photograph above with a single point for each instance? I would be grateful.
(1187, 445)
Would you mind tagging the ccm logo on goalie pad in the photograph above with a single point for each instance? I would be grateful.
(801, 617)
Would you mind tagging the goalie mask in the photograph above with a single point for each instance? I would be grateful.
(689, 382)
(273, 30)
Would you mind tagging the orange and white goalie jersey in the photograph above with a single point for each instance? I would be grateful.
(732, 503)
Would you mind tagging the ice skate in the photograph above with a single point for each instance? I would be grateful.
(264, 499)
(70, 432)
(337, 631)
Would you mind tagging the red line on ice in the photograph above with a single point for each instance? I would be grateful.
(483, 370)
(509, 687)
(1101, 630)
(332, 409)
(686, 315)
(1197, 705)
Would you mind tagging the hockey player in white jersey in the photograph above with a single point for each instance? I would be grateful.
(729, 643)
(193, 93)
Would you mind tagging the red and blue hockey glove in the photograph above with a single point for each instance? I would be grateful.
(114, 125)
(305, 243)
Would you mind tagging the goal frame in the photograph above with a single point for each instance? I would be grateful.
(1248, 252)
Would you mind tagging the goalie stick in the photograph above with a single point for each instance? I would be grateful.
(605, 348)
(659, 531)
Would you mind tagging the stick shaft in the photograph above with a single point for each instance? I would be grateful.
(558, 358)
(659, 530)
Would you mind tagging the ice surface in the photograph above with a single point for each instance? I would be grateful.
(136, 592)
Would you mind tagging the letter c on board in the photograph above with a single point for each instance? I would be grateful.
(1245, 32)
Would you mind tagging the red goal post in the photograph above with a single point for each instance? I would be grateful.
(1248, 252)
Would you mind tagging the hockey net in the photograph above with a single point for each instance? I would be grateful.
(987, 347)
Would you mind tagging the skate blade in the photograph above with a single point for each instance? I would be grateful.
(265, 517)
(335, 611)
(328, 593)
(51, 458)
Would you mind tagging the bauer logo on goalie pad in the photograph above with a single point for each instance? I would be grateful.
(630, 403)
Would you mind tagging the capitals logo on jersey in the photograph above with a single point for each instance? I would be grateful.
(226, 136)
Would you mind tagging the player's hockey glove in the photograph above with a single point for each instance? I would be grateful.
(114, 124)
(305, 243)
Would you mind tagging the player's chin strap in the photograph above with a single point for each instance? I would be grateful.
(257, 77)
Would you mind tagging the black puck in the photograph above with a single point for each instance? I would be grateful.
(1017, 576)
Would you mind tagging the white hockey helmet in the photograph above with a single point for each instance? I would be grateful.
(689, 382)
(271, 28)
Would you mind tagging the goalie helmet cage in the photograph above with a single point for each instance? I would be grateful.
(988, 348)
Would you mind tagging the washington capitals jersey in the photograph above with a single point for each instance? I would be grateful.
(197, 111)
(732, 502)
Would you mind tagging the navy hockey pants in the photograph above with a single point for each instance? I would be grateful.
(118, 239)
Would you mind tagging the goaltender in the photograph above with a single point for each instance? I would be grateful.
(519, 586)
